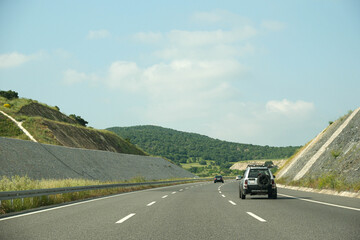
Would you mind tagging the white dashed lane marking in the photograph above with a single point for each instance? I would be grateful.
(151, 203)
(256, 217)
(165, 196)
(232, 202)
(126, 218)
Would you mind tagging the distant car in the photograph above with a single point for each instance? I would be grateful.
(218, 178)
(257, 180)
(238, 177)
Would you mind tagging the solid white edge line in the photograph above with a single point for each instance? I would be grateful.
(126, 218)
(232, 202)
(323, 203)
(151, 203)
(256, 217)
(82, 202)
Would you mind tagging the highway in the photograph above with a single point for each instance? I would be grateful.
(193, 211)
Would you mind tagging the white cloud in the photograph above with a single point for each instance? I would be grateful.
(72, 77)
(270, 123)
(176, 78)
(288, 108)
(124, 75)
(16, 59)
(98, 34)
(197, 81)
(273, 25)
(201, 45)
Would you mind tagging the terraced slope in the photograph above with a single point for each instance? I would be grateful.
(49, 126)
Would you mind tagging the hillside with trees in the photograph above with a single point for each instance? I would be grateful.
(50, 126)
(183, 147)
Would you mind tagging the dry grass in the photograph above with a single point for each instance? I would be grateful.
(330, 181)
(17, 183)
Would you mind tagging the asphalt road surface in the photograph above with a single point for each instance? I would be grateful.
(193, 211)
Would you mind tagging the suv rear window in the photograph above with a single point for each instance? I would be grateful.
(254, 173)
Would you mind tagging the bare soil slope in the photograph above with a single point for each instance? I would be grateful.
(36, 109)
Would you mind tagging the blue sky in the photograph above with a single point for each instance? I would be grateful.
(260, 72)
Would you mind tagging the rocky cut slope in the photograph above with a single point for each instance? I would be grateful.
(331, 159)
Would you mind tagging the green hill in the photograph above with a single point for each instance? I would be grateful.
(183, 147)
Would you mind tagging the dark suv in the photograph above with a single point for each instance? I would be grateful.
(218, 178)
(257, 180)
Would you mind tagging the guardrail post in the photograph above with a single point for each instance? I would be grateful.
(22, 201)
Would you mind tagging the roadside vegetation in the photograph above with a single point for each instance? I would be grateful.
(210, 169)
(329, 181)
(18, 183)
(9, 129)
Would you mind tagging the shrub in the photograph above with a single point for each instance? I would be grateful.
(335, 153)
(202, 162)
(9, 94)
(78, 119)
(269, 163)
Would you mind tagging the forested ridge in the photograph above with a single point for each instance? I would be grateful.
(180, 147)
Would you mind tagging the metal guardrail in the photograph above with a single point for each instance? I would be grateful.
(53, 191)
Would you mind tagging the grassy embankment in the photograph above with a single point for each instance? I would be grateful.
(329, 181)
(24, 183)
(9, 129)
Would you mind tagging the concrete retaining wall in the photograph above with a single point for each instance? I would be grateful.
(38, 161)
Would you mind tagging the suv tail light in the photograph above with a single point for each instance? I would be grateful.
(245, 184)
(273, 183)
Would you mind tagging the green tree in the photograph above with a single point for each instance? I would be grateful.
(78, 119)
(269, 163)
(9, 94)
(202, 162)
